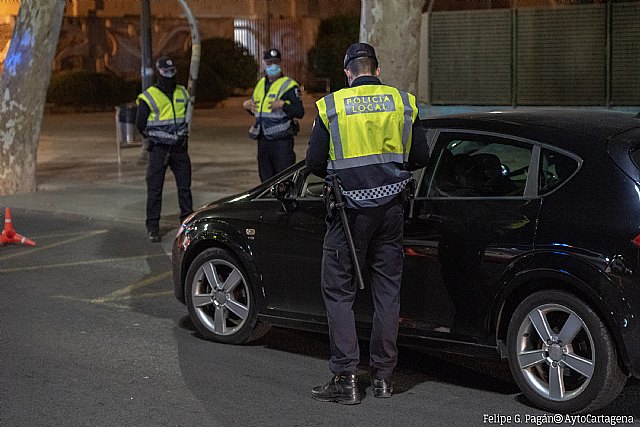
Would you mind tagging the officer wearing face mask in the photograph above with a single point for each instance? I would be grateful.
(275, 104)
(161, 119)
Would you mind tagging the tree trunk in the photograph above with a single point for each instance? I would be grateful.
(393, 29)
(25, 78)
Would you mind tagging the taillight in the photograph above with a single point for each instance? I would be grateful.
(636, 241)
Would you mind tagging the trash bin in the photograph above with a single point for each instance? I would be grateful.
(126, 132)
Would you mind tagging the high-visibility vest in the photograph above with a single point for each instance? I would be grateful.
(271, 124)
(166, 123)
(370, 129)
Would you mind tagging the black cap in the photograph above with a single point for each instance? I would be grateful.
(359, 50)
(166, 67)
(272, 54)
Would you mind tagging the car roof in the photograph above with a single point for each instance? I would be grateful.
(528, 122)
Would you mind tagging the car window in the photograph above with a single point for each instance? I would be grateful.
(555, 168)
(470, 165)
(635, 156)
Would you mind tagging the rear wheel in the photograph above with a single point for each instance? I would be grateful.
(220, 299)
(561, 354)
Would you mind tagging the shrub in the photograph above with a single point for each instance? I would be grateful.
(224, 66)
(326, 58)
(79, 88)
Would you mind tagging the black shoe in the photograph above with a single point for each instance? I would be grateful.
(154, 236)
(381, 388)
(341, 389)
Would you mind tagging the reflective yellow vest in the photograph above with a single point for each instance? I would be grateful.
(271, 124)
(370, 128)
(166, 123)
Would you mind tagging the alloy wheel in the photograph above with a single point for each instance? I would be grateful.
(220, 297)
(555, 352)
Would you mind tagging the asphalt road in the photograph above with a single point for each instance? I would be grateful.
(91, 335)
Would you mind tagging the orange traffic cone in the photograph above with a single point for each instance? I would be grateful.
(9, 235)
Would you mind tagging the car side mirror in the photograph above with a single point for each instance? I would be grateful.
(283, 191)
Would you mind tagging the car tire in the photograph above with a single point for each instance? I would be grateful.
(220, 299)
(562, 355)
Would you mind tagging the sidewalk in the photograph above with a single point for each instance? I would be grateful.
(78, 171)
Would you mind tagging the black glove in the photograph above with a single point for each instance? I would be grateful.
(148, 145)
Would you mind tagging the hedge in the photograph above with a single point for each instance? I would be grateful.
(224, 67)
(81, 88)
(326, 58)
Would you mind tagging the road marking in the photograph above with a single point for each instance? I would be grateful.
(50, 236)
(78, 263)
(124, 294)
(53, 245)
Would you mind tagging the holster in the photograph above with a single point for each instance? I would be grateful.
(294, 128)
(409, 191)
(254, 131)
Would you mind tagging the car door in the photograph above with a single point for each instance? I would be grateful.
(292, 232)
(474, 213)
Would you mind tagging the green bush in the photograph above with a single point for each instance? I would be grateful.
(326, 58)
(209, 87)
(224, 66)
(82, 88)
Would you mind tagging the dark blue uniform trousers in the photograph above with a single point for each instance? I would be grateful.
(377, 234)
(180, 165)
(274, 156)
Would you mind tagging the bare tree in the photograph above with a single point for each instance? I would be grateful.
(25, 78)
(393, 28)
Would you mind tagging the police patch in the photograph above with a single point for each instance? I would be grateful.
(369, 104)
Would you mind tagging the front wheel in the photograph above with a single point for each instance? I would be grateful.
(561, 354)
(220, 299)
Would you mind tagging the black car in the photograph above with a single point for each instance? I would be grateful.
(522, 241)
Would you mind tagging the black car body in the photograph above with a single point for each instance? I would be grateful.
(522, 241)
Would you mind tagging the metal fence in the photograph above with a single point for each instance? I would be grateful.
(286, 35)
(574, 55)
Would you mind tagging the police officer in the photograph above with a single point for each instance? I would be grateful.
(368, 137)
(161, 120)
(275, 104)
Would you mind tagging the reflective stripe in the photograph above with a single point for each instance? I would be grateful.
(376, 192)
(282, 127)
(274, 115)
(334, 128)
(178, 120)
(283, 88)
(154, 105)
(163, 134)
(408, 123)
(373, 159)
(185, 94)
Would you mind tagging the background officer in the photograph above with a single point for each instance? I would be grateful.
(275, 104)
(368, 137)
(161, 120)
